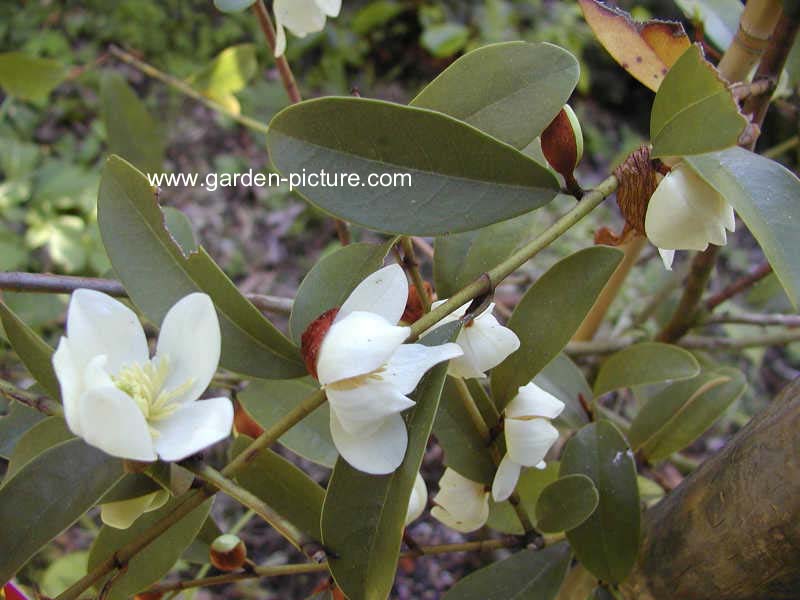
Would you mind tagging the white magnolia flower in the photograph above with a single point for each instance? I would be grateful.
(418, 500)
(123, 513)
(485, 342)
(685, 213)
(367, 372)
(301, 17)
(461, 504)
(132, 406)
(529, 436)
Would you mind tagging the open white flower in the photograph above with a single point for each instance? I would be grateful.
(367, 371)
(301, 17)
(529, 435)
(685, 213)
(461, 504)
(485, 342)
(132, 406)
(418, 500)
(123, 513)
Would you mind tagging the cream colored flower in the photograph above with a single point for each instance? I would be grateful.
(461, 504)
(123, 513)
(418, 500)
(301, 17)
(529, 435)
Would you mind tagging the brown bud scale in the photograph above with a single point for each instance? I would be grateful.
(311, 340)
(638, 180)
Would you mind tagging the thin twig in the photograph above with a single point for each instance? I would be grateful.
(738, 286)
(752, 319)
(43, 404)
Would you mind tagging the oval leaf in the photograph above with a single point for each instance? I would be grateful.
(607, 542)
(549, 314)
(649, 362)
(468, 182)
(157, 274)
(566, 503)
(29, 77)
(512, 90)
(503, 517)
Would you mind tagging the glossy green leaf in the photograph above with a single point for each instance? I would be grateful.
(565, 380)
(461, 258)
(511, 90)
(33, 351)
(468, 182)
(155, 560)
(13, 426)
(566, 503)
(549, 314)
(132, 132)
(39, 438)
(607, 542)
(29, 77)
(157, 274)
(764, 194)
(503, 517)
(269, 401)
(330, 281)
(48, 495)
(444, 39)
(648, 362)
(363, 515)
(694, 111)
(284, 487)
(676, 416)
(527, 575)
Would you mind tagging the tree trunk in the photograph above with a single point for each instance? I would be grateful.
(731, 531)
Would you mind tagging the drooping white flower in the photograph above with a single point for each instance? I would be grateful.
(685, 213)
(367, 371)
(461, 504)
(418, 500)
(301, 17)
(485, 342)
(132, 406)
(123, 513)
(529, 435)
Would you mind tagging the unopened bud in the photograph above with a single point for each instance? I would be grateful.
(638, 180)
(414, 309)
(244, 423)
(312, 337)
(228, 552)
(562, 143)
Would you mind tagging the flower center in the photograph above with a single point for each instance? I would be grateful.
(352, 383)
(144, 383)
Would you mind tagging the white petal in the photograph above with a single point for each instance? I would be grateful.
(99, 325)
(486, 343)
(418, 500)
(280, 38)
(379, 453)
(506, 478)
(411, 361)
(330, 7)
(667, 256)
(361, 409)
(196, 426)
(528, 441)
(533, 401)
(301, 17)
(70, 381)
(383, 293)
(122, 514)
(729, 219)
(358, 344)
(111, 421)
(190, 341)
(462, 504)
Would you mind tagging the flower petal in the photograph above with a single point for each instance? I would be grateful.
(122, 514)
(190, 341)
(506, 478)
(418, 500)
(194, 427)
(379, 453)
(462, 504)
(111, 421)
(533, 401)
(99, 325)
(360, 409)
(358, 344)
(301, 17)
(667, 256)
(280, 37)
(330, 7)
(70, 381)
(383, 293)
(486, 343)
(528, 441)
(411, 361)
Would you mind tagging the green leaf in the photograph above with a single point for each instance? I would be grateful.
(180, 228)
(566, 503)
(13, 426)
(607, 543)
(694, 111)
(29, 77)
(374, 15)
(38, 439)
(564, 379)
(133, 485)
(512, 90)
(63, 572)
(549, 314)
(444, 39)
(330, 281)
(33, 351)
(648, 362)
(157, 558)
(269, 401)
(363, 515)
(228, 73)
(461, 179)
(48, 495)
(132, 133)
(527, 575)
(679, 414)
(532, 482)
(764, 194)
(157, 274)
(463, 257)
(284, 487)
(198, 551)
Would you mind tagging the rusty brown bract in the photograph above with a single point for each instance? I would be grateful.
(637, 181)
(311, 340)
